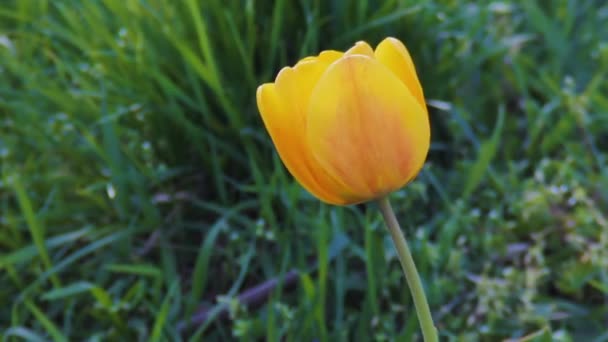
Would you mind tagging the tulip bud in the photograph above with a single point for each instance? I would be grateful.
(350, 127)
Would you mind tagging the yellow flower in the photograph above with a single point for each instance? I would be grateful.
(350, 127)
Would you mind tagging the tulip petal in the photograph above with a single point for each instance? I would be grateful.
(283, 107)
(360, 48)
(366, 128)
(326, 57)
(296, 84)
(394, 55)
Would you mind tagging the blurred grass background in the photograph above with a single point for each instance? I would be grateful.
(138, 187)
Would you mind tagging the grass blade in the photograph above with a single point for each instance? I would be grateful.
(50, 327)
(35, 227)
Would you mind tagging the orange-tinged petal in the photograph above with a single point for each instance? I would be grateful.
(394, 55)
(283, 107)
(360, 48)
(279, 124)
(366, 128)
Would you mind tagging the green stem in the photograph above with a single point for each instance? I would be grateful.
(429, 332)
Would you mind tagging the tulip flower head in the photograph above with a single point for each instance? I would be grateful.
(350, 127)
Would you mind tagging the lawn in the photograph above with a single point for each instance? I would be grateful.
(142, 199)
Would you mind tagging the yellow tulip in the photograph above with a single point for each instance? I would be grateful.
(350, 127)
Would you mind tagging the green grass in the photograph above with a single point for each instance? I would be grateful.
(138, 186)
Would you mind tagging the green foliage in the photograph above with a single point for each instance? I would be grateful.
(138, 186)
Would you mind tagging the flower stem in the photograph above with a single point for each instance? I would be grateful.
(429, 332)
